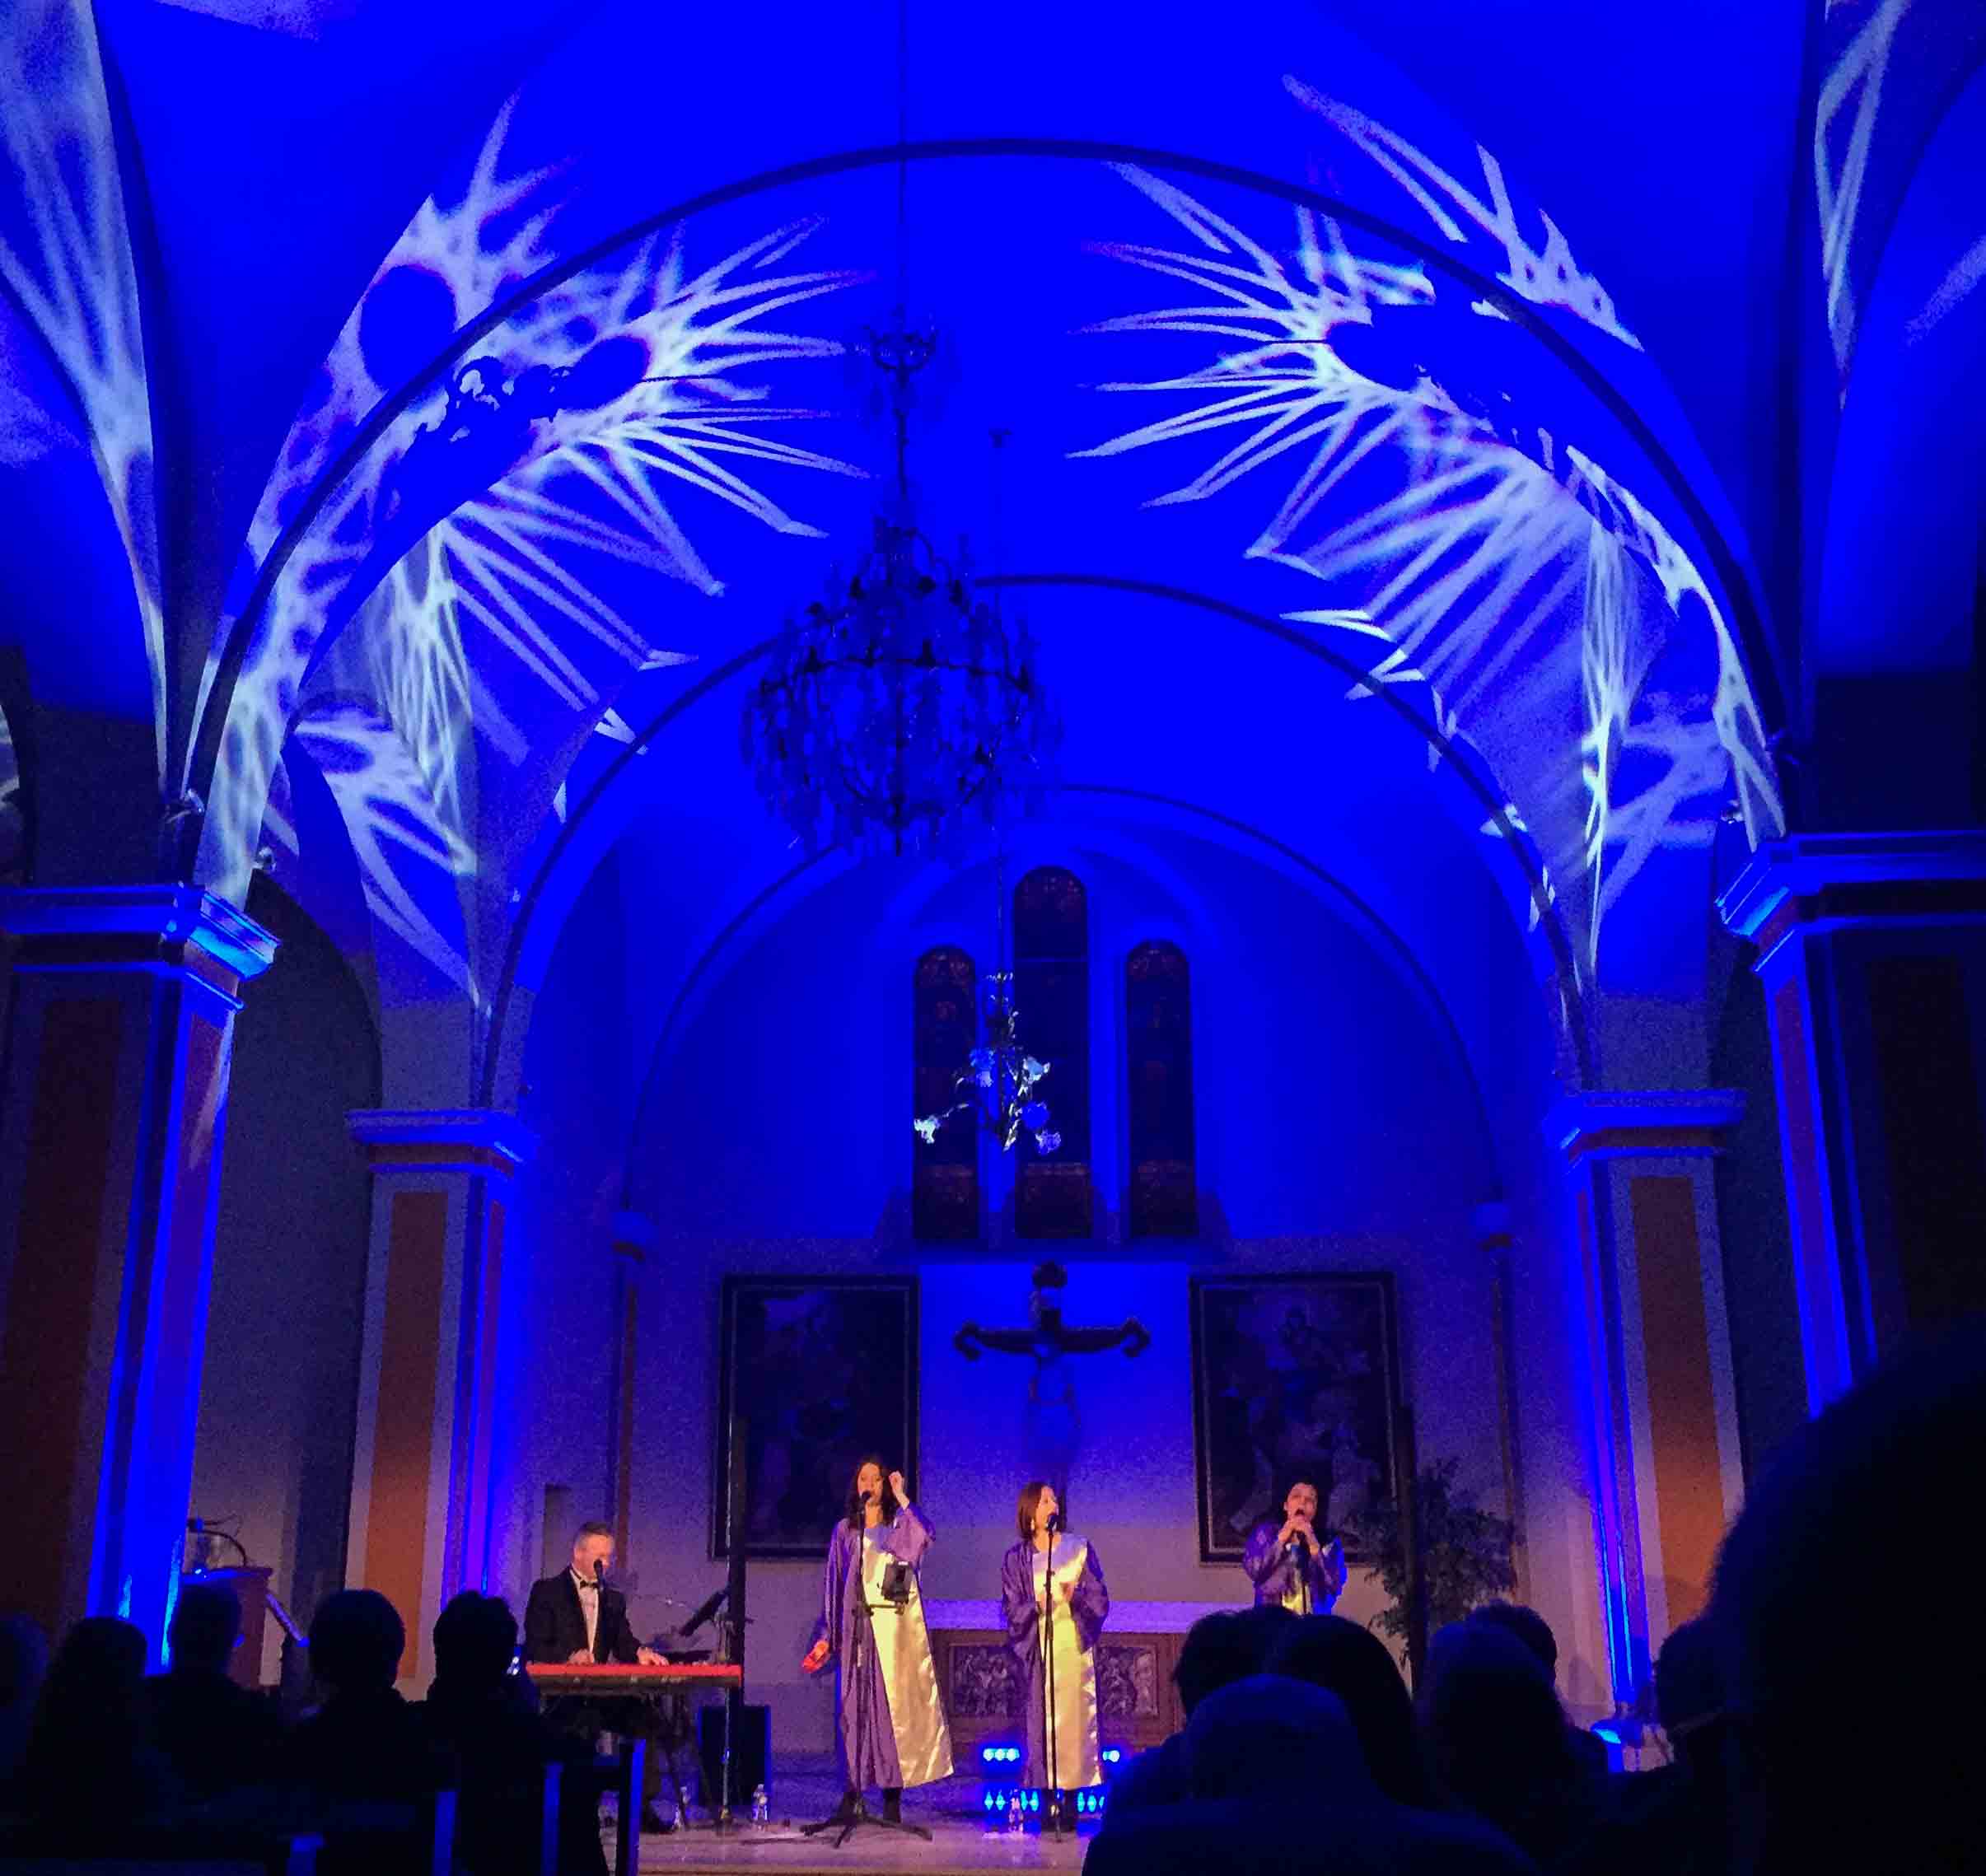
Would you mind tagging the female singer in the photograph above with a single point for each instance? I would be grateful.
(1050, 1562)
(891, 1729)
(1289, 1563)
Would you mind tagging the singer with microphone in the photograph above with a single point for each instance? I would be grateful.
(890, 1730)
(575, 1616)
(1052, 1589)
(1289, 1563)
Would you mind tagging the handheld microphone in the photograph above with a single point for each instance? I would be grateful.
(599, 1571)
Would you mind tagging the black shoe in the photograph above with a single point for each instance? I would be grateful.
(654, 1823)
(851, 1804)
(893, 1807)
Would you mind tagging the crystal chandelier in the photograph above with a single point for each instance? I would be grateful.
(898, 712)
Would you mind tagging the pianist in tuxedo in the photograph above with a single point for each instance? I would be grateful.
(578, 1615)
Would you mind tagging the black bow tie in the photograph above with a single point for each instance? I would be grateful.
(585, 1585)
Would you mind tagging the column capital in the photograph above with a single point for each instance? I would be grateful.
(1648, 1123)
(1827, 881)
(57, 928)
(442, 1139)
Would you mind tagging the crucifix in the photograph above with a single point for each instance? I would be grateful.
(1054, 1426)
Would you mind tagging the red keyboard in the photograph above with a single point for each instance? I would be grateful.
(630, 1677)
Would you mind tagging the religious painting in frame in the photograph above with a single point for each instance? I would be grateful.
(1291, 1374)
(823, 1369)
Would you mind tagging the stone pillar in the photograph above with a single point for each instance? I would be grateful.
(1667, 1472)
(120, 1020)
(633, 1238)
(1871, 948)
(423, 1483)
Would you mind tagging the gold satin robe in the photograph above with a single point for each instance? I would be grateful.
(1078, 1760)
(910, 1681)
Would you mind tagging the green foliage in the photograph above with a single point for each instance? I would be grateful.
(1465, 1551)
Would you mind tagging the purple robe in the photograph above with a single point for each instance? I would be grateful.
(1274, 1572)
(862, 1702)
(1089, 1605)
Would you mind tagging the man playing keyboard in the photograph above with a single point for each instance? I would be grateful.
(577, 1615)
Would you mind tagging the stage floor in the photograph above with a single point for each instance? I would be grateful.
(961, 1839)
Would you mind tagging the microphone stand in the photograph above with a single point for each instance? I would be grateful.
(1054, 1808)
(861, 1630)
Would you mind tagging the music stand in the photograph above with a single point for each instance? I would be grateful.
(850, 1822)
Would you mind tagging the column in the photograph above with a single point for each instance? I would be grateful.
(423, 1483)
(633, 1238)
(1667, 1472)
(1871, 948)
(120, 1019)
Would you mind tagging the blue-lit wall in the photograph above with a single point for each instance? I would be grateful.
(1338, 1128)
(272, 1451)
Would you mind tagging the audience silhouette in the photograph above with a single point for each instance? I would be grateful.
(487, 1718)
(1279, 1785)
(365, 1743)
(24, 1661)
(1589, 1755)
(91, 1776)
(1803, 1738)
(1496, 1738)
(1351, 1661)
(1851, 1731)
(1218, 1650)
(215, 1735)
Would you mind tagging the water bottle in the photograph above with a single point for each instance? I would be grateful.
(761, 1811)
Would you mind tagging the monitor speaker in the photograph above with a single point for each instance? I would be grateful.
(751, 1762)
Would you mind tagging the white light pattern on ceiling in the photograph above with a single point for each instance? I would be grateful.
(491, 553)
(1964, 275)
(1547, 275)
(1474, 571)
(74, 278)
(1841, 163)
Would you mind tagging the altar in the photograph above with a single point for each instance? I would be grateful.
(1140, 1647)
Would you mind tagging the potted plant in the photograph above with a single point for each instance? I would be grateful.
(1462, 1553)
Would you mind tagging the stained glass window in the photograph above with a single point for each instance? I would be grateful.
(1052, 994)
(945, 1174)
(1158, 1049)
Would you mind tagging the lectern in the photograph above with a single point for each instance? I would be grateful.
(250, 1583)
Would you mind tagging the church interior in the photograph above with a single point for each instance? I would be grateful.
(1110, 744)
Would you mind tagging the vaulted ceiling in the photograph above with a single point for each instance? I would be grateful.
(1423, 427)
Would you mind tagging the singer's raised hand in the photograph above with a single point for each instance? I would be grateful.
(897, 1486)
(816, 1657)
